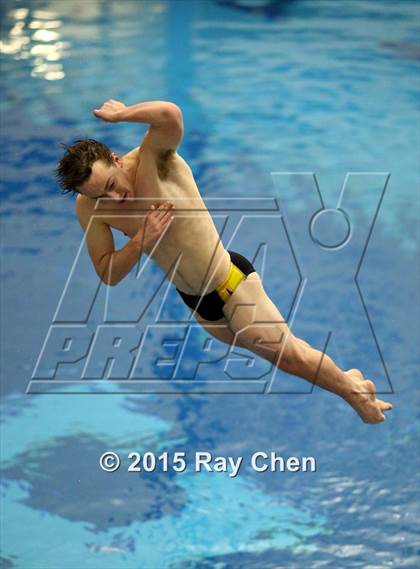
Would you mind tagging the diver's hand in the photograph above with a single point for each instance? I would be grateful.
(111, 111)
(156, 222)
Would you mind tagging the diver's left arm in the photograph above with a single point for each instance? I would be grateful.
(165, 119)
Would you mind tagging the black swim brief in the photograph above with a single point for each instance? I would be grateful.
(210, 305)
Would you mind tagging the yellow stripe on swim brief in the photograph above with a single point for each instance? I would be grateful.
(227, 288)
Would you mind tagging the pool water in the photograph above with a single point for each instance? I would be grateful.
(266, 88)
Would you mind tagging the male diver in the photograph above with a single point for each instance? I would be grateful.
(211, 280)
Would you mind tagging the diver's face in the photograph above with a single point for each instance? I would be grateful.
(108, 181)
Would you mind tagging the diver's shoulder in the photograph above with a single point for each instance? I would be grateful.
(133, 154)
(83, 203)
(84, 207)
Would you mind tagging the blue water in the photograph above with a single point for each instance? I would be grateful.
(303, 86)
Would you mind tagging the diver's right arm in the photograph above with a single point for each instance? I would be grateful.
(110, 265)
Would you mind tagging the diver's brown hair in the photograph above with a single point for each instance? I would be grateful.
(75, 166)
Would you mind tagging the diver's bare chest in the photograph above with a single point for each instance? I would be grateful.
(149, 188)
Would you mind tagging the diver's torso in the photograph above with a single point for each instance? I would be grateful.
(191, 237)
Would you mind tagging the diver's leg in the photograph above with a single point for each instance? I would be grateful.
(257, 322)
(219, 329)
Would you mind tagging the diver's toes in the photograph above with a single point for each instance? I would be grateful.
(384, 405)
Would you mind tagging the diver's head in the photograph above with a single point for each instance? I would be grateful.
(89, 167)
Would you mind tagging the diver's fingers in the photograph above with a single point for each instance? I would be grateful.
(163, 211)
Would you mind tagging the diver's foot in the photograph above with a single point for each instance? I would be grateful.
(362, 397)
